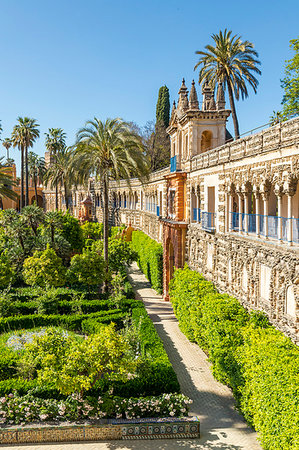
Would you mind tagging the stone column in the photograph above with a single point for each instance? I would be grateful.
(230, 211)
(240, 211)
(197, 204)
(266, 213)
(246, 211)
(290, 221)
(290, 190)
(279, 207)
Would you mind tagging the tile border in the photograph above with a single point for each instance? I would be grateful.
(164, 428)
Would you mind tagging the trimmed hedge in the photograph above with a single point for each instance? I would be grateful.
(150, 258)
(71, 322)
(67, 306)
(258, 362)
(63, 293)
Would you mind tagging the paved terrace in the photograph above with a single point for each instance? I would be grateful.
(222, 427)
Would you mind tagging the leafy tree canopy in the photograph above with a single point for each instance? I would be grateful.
(290, 83)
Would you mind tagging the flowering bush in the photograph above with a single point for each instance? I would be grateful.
(15, 409)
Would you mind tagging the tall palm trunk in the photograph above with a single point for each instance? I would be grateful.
(66, 197)
(233, 109)
(22, 179)
(35, 189)
(105, 226)
(26, 177)
(56, 195)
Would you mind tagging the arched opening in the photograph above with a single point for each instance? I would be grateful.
(206, 141)
(39, 201)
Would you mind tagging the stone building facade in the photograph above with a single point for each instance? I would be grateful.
(230, 209)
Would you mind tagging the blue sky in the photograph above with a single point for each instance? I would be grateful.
(64, 62)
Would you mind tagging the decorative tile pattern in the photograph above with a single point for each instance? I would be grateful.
(179, 429)
(163, 428)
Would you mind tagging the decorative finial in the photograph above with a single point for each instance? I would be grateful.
(193, 100)
(183, 103)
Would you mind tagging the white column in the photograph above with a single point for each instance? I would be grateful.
(266, 214)
(230, 211)
(246, 211)
(290, 222)
(257, 213)
(240, 212)
(279, 207)
(197, 207)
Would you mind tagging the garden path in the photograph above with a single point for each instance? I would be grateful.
(222, 427)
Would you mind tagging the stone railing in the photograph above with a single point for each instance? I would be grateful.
(279, 136)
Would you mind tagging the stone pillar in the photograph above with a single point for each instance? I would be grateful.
(279, 207)
(266, 213)
(290, 221)
(230, 211)
(197, 204)
(257, 213)
(246, 211)
(240, 211)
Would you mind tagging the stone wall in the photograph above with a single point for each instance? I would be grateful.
(261, 275)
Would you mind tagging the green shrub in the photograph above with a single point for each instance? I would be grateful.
(87, 268)
(48, 302)
(150, 258)
(258, 362)
(186, 290)
(72, 230)
(120, 252)
(44, 268)
(117, 231)
(92, 230)
(7, 306)
(270, 393)
(6, 271)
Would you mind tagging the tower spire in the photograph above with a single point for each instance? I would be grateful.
(172, 111)
(183, 103)
(193, 100)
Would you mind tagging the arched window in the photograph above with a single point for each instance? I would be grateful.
(206, 141)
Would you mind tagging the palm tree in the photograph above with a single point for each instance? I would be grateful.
(33, 216)
(7, 144)
(109, 150)
(62, 172)
(55, 143)
(23, 136)
(36, 167)
(6, 183)
(230, 62)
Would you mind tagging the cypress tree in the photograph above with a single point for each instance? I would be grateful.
(163, 106)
